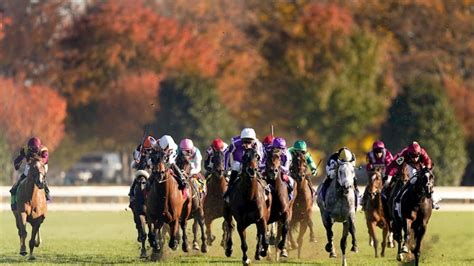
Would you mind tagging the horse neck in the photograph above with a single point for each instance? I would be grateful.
(249, 187)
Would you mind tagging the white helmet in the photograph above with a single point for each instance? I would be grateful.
(167, 142)
(345, 155)
(248, 133)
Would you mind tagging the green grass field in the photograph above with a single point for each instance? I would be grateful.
(109, 238)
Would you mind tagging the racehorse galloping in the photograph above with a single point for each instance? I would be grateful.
(248, 205)
(282, 207)
(197, 206)
(31, 206)
(303, 205)
(166, 204)
(339, 206)
(414, 212)
(139, 212)
(375, 212)
(216, 187)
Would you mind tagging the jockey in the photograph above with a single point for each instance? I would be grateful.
(342, 156)
(300, 146)
(235, 153)
(285, 157)
(141, 162)
(32, 150)
(379, 157)
(267, 143)
(193, 154)
(167, 144)
(217, 146)
(415, 156)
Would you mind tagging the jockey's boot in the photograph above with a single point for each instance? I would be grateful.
(313, 192)
(233, 177)
(180, 178)
(17, 183)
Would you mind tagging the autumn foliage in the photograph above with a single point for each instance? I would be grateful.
(31, 111)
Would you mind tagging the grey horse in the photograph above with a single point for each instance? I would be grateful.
(339, 206)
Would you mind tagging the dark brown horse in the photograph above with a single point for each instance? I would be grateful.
(282, 206)
(249, 205)
(31, 206)
(216, 187)
(197, 206)
(414, 212)
(166, 204)
(375, 212)
(139, 212)
(303, 205)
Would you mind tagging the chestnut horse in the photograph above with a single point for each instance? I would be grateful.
(303, 205)
(375, 212)
(166, 204)
(282, 206)
(31, 206)
(414, 212)
(197, 209)
(249, 205)
(213, 202)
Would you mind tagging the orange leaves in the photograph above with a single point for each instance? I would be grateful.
(31, 111)
(326, 20)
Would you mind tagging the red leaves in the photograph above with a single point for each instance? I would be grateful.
(31, 111)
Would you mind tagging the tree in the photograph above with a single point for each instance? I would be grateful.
(422, 113)
(189, 108)
(6, 162)
(27, 111)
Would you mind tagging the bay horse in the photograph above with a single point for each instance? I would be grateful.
(248, 204)
(216, 187)
(303, 204)
(31, 206)
(339, 206)
(166, 204)
(197, 205)
(139, 212)
(375, 211)
(282, 206)
(414, 212)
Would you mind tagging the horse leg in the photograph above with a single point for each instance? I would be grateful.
(38, 239)
(174, 228)
(34, 231)
(345, 233)
(22, 233)
(183, 223)
(312, 237)
(203, 233)
(385, 232)
(352, 231)
(303, 227)
(419, 233)
(195, 228)
(371, 228)
(152, 239)
(258, 248)
(284, 234)
(329, 234)
(210, 237)
(229, 227)
(406, 238)
(142, 235)
(292, 241)
(243, 244)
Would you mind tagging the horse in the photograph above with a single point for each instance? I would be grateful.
(414, 212)
(216, 187)
(303, 204)
(197, 209)
(282, 206)
(248, 204)
(31, 206)
(139, 212)
(166, 204)
(375, 212)
(339, 206)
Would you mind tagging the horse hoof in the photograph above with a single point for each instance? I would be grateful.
(32, 258)
(263, 252)
(246, 262)
(404, 249)
(400, 257)
(257, 257)
(391, 245)
(184, 247)
(195, 246)
(371, 243)
(284, 253)
(204, 249)
(328, 247)
(173, 245)
(228, 252)
(382, 254)
(332, 254)
(313, 240)
(272, 241)
(23, 253)
(355, 249)
(143, 255)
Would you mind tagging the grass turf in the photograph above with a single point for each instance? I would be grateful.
(110, 238)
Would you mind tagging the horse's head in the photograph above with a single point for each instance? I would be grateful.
(299, 165)
(375, 184)
(250, 163)
(183, 162)
(273, 163)
(37, 172)
(142, 177)
(424, 181)
(217, 161)
(346, 176)
(158, 162)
